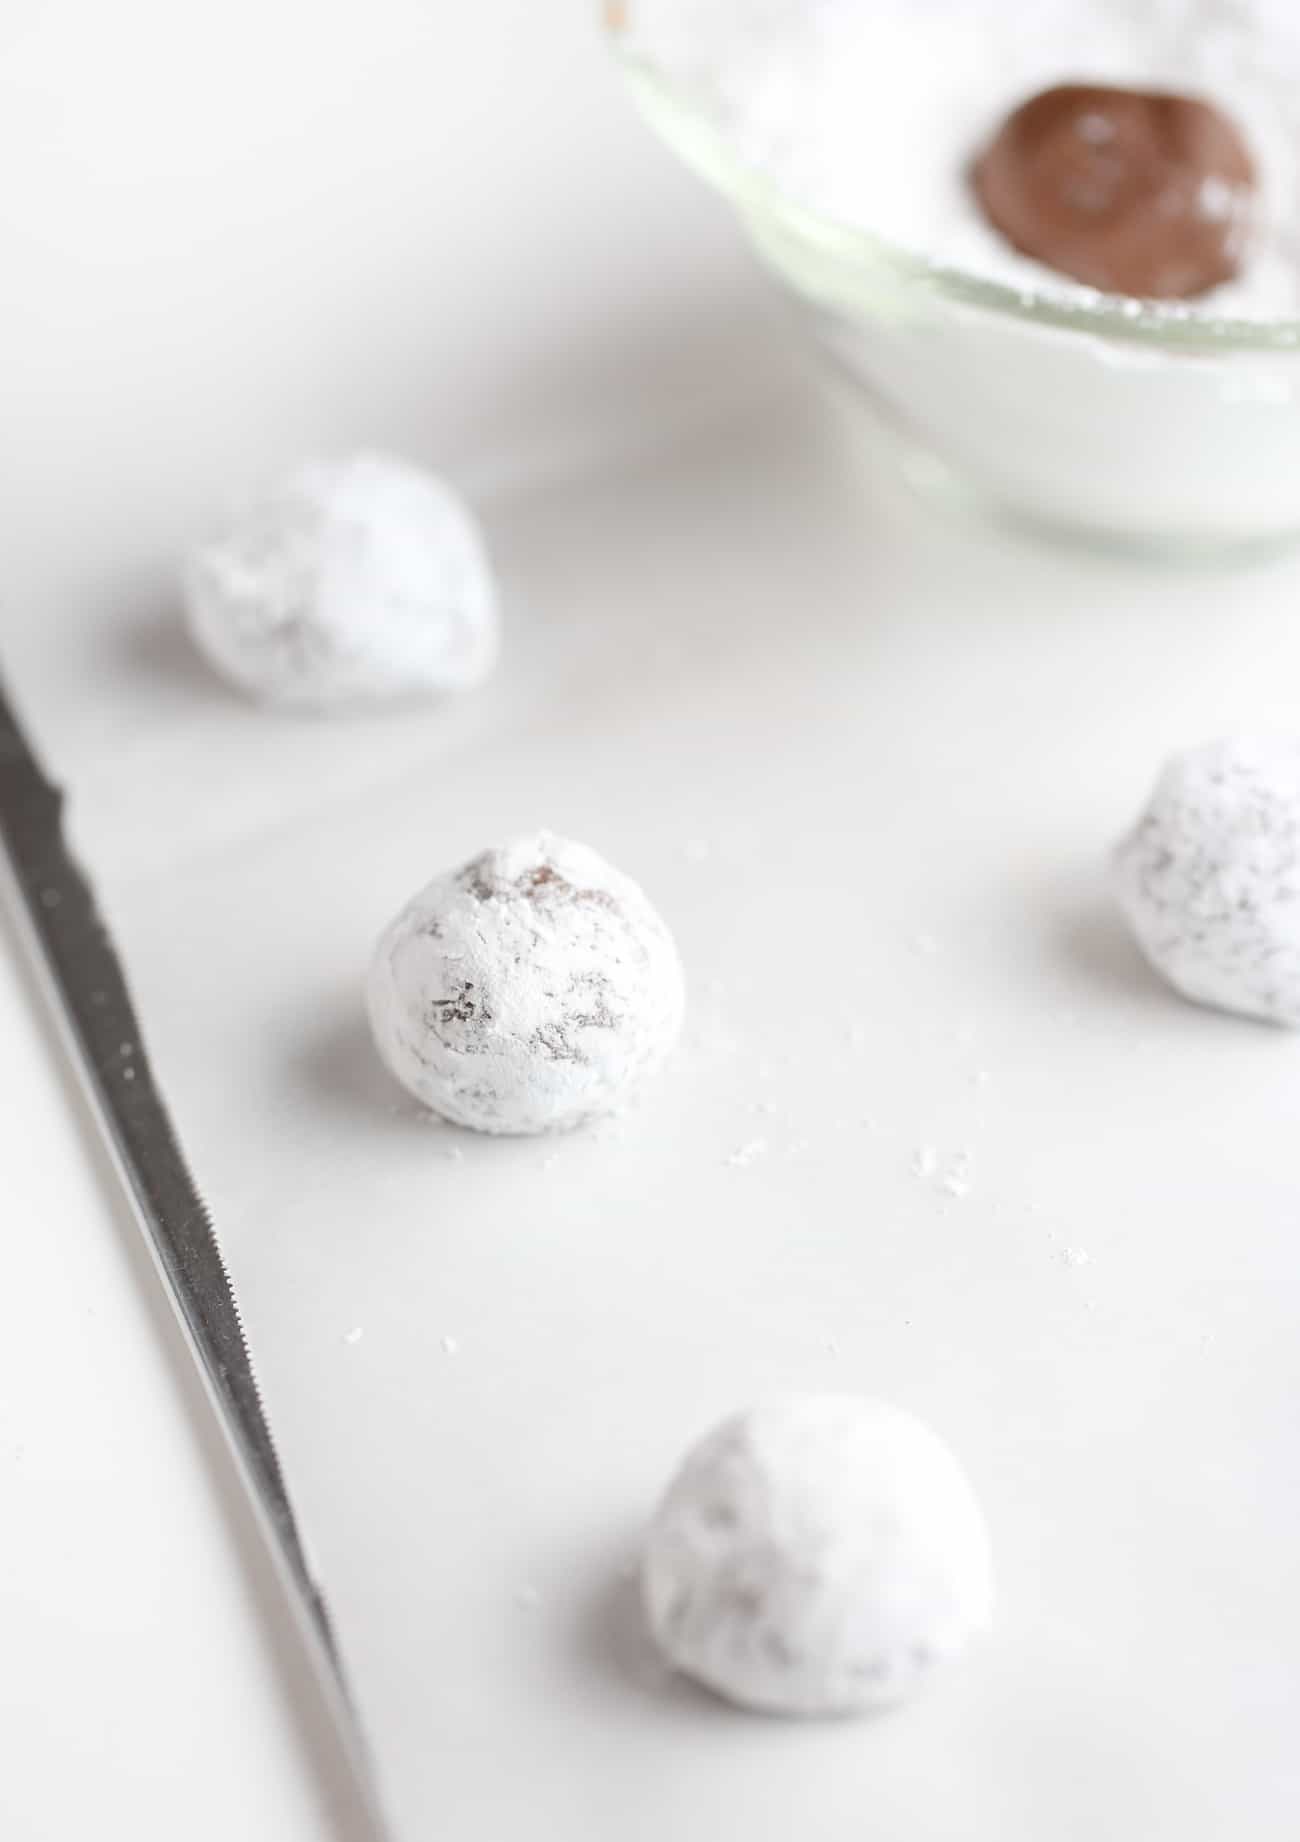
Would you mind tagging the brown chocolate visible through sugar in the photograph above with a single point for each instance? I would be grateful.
(1133, 192)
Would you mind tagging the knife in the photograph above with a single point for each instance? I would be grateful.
(70, 944)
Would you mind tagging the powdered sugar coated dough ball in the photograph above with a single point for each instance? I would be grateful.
(353, 580)
(528, 991)
(819, 1554)
(1209, 878)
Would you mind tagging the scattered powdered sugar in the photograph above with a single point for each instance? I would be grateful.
(956, 1180)
(748, 1153)
(952, 1177)
(1077, 1256)
(871, 114)
(353, 1336)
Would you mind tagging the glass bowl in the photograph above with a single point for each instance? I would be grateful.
(1122, 422)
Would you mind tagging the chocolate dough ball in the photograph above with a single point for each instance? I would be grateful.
(528, 991)
(1208, 877)
(817, 1555)
(1130, 191)
(352, 580)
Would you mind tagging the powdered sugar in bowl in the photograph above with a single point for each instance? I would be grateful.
(843, 132)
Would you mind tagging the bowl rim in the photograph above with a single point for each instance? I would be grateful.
(1169, 325)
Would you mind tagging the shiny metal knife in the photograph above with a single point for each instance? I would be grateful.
(56, 907)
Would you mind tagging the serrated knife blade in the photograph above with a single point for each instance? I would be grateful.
(60, 919)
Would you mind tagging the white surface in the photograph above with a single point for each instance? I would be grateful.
(830, 736)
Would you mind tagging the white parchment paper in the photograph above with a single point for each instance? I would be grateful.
(868, 769)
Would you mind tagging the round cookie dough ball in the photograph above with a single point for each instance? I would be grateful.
(352, 580)
(1135, 192)
(817, 1555)
(1209, 878)
(528, 991)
